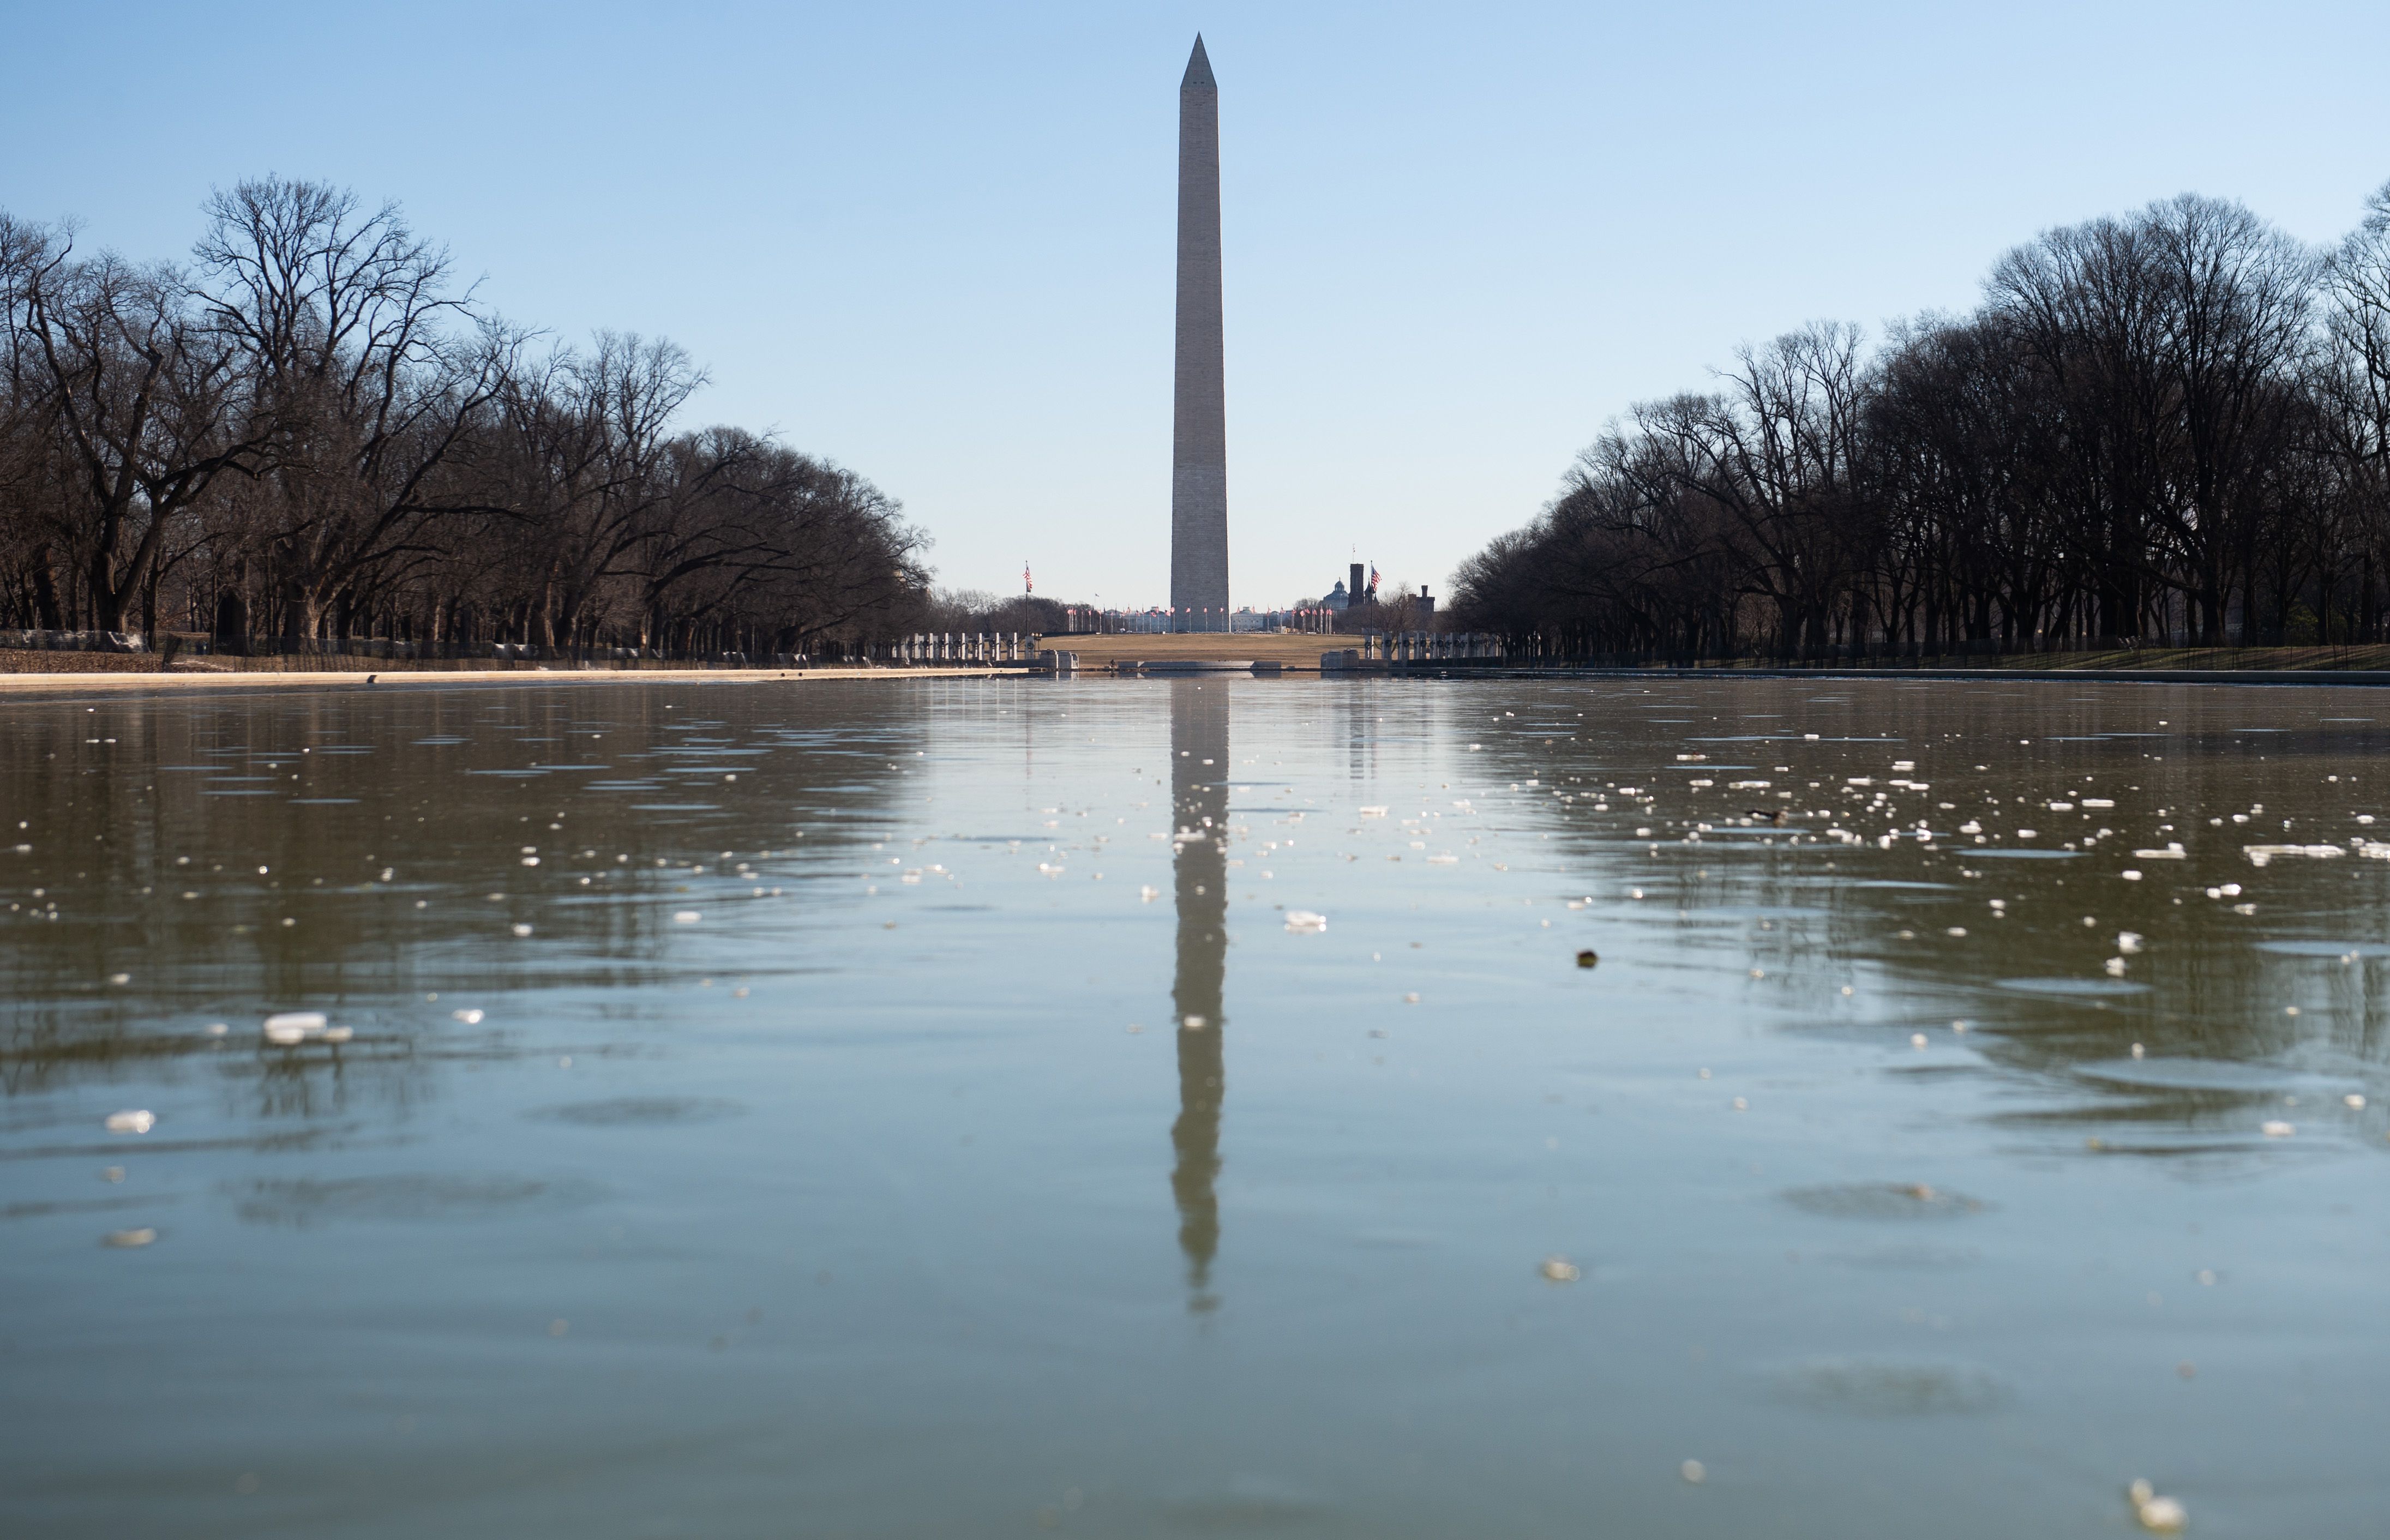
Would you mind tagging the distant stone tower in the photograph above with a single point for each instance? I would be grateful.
(1199, 457)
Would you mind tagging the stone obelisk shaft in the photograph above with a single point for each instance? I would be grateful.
(1198, 461)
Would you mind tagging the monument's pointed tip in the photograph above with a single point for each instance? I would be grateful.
(1199, 70)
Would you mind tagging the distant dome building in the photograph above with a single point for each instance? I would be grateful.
(1337, 598)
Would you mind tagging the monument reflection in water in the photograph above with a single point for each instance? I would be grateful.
(1199, 804)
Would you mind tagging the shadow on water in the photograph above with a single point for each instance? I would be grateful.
(1199, 802)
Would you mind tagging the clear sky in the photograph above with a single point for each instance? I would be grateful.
(934, 242)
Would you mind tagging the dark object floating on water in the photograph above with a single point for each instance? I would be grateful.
(1766, 815)
(1882, 1200)
(1587, 958)
(632, 1111)
(1891, 1388)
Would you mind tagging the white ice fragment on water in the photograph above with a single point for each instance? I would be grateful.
(136, 1122)
(470, 1016)
(1959, 931)
(686, 916)
(1410, 999)
(291, 1026)
(1971, 827)
(1560, 1270)
(522, 929)
(2274, 1128)
(531, 860)
(1373, 812)
(129, 1240)
(2062, 807)
(2099, 802)
(1917, 1040)
(1305, 921)
(120, 978)
(2260, 854)
(2129, 875)
(2159, 1515)
(2129, 941)
(1693, 1471)
(2114, 968)
(2354, 1101)
(1741, 1105)
(218, 1029)
(2173, 852)
(339, 1034)
(2139, 1051)
(2028, 834)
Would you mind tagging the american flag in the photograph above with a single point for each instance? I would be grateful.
(1026, 585)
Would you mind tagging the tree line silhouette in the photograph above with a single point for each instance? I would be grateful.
(311, 431)
(2170, 427)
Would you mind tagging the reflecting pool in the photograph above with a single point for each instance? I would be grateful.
(1193, 1107)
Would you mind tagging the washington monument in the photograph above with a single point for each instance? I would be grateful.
(1199, 457)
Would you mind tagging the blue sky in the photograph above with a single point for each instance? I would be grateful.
(934, 242)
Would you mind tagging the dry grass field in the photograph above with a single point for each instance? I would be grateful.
(1300, 650)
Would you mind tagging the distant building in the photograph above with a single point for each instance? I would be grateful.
(1337, 598)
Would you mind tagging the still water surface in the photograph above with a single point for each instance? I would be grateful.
(898, 1109)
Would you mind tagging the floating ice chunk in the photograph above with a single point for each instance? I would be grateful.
(2274, 1128)
(2115, 967)
(293, 1026)
(2129, 941)
(2129, 875)
(129, 1240)
(2161, 1515)
(1147, 894)
(1305, 921)
(522, 929)
(2173, 852)
(686, 916)
(136, 1122)
(2354, 1101)
(339, 1034)
(2258, 854)
(1373, 812)
(470, 1016)
(1560, 1270)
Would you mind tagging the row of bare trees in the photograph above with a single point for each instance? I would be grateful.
(313, 431)
(2172, 427)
